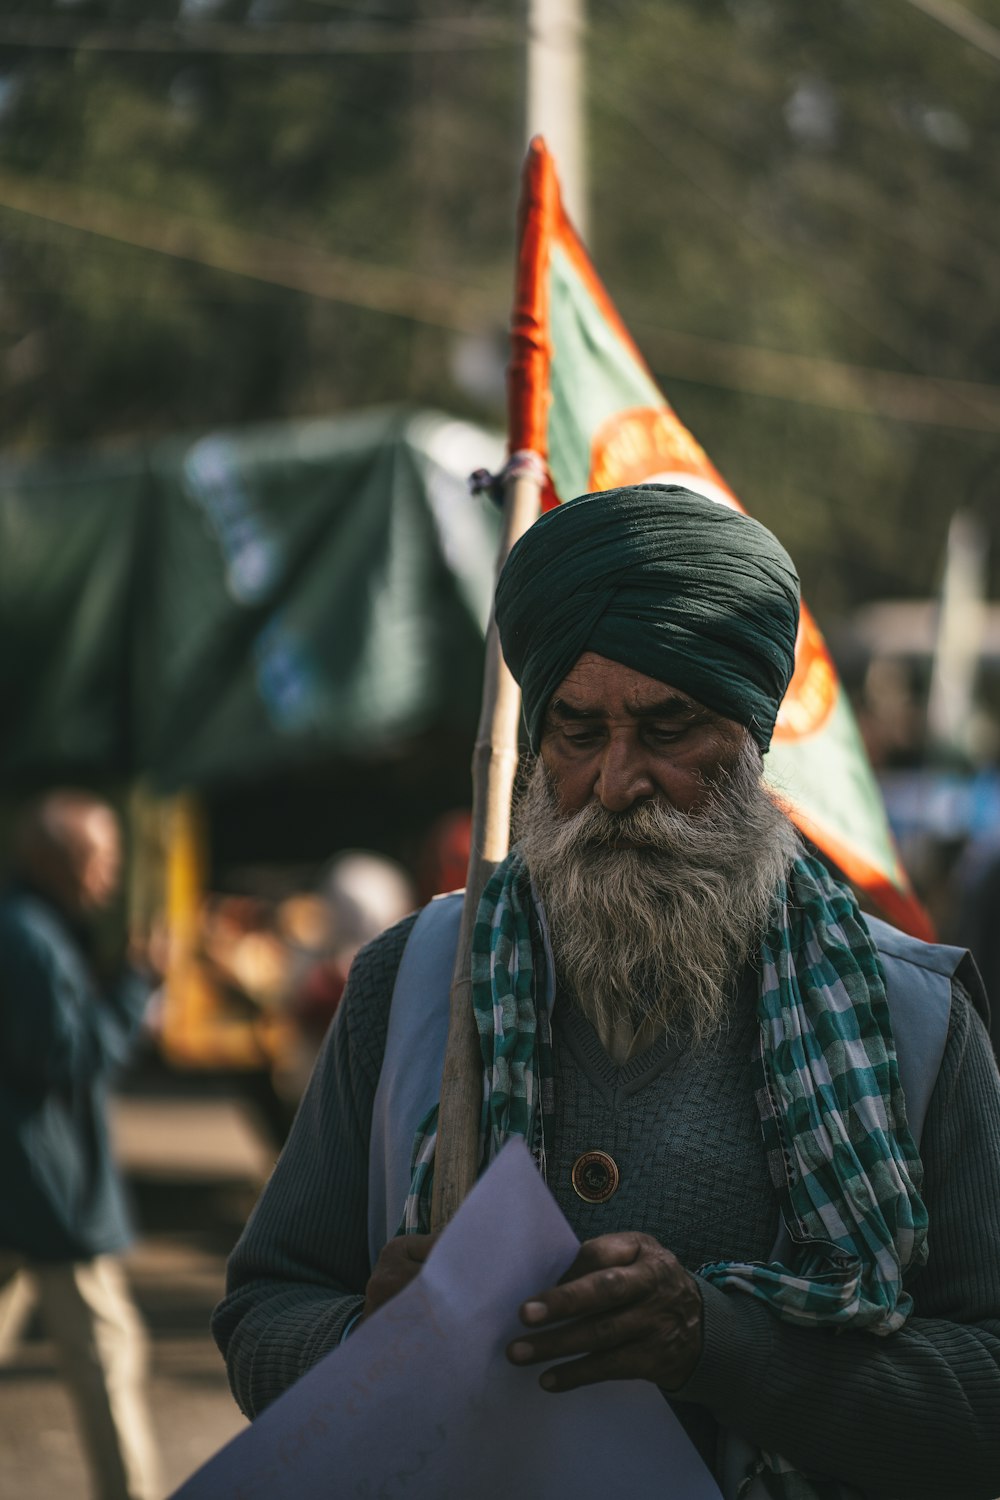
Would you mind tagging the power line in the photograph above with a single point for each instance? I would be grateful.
(226, 38)
(301, 268)
(368, 12)
(839, 293)
(708, 129)
(971, 28)
(812, 381)
(830, 384)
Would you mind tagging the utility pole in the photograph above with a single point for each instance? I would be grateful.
(555, 95)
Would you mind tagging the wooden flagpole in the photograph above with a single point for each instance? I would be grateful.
(494, 765)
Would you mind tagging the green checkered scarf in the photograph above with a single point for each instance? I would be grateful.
(514, 1037)
(842, 1159)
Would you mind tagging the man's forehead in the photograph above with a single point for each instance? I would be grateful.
(88, 828)
(597, 686)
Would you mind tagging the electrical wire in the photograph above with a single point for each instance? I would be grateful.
(971, 28)
(808, 380)
(302, 268)
(459, 308)
(842, 296)
(229, 39)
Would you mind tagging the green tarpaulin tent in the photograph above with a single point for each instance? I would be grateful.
(245, 603)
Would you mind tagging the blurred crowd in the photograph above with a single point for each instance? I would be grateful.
(271, 968)
(942, 798)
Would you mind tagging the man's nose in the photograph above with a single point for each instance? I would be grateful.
(624, 777)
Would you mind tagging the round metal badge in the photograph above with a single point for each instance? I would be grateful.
(595, 1176)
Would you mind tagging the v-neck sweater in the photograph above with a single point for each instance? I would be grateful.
(706, 1197)
(913, 1414)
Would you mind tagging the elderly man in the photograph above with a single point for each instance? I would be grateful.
(63, 1218)
(701, 1039)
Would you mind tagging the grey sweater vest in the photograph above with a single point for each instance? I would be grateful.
(918, 980)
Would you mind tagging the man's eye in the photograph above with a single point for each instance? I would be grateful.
(657, 734)
(582, 738)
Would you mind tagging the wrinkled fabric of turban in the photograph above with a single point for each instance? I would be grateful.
(663, 580)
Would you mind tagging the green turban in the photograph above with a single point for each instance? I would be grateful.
(663, 580)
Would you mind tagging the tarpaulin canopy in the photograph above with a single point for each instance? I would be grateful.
(245, 602)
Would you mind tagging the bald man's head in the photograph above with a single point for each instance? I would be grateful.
(68, 845)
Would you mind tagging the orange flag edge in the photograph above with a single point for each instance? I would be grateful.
(899, 907)
(530, 342)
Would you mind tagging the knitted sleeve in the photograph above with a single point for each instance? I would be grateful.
(298, 1273)
(914, 1413)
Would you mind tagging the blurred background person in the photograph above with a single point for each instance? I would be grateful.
(64, 1027)
(444, 855)
(359, 894)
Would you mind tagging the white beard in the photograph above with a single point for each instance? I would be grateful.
(650, 940)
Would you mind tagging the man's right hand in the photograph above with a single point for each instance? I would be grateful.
(399, 1262)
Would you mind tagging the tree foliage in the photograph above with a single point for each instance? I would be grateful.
(769, 182)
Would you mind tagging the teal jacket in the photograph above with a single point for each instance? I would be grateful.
(61, 1037)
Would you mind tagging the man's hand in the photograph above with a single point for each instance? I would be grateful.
(635, 1315)
(395, 1268)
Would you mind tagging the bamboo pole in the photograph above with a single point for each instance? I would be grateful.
(494, 766)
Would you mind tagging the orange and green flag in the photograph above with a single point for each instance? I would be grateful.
(581, 397)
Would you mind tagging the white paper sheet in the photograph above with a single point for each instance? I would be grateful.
(421, 1402)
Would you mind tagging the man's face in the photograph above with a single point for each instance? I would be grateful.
(96, 860)
(618, 737)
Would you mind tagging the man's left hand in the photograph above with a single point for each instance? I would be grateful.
(626, 1306)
